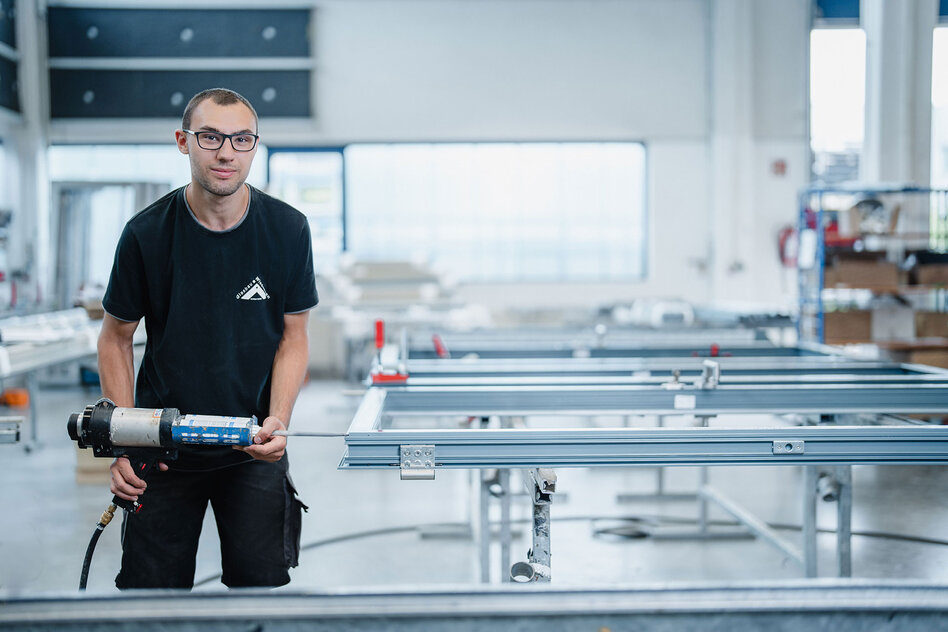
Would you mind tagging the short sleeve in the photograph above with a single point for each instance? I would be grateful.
(125, 298)
(301, 288)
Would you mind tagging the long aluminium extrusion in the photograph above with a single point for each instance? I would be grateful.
(370, 445)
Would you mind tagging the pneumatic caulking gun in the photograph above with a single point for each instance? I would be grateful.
(147, 436)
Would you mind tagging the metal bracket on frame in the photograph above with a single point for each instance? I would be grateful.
(417, 462)
(788, 447)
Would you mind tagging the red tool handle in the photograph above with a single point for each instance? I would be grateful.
(379, 334)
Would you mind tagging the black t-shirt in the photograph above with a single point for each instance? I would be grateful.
(213, 304)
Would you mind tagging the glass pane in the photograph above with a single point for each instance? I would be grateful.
(312, 182)
(6, 200)
(501, 211)
(133, 163)
(837, 102)
(939, 211)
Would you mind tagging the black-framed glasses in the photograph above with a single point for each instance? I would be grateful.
(215, 140)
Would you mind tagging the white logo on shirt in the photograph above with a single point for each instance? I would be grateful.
(254, 291)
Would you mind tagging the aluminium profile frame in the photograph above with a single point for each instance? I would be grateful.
(514, 367)
(369, 445)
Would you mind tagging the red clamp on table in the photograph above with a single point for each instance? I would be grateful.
(380, 373)
(389, 378)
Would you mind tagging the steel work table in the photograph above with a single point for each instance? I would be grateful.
(380, 438)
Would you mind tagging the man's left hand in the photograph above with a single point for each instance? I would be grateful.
(266, 446)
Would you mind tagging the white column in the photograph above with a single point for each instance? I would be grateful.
(731, 144)
(29, 231)
(898, 90)
(758, 142)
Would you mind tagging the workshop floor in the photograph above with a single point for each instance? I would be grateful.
(371, 529)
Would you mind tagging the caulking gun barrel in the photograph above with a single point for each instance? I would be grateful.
(105, 427)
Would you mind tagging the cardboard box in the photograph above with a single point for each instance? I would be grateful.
(847, 327)
(932, 274)
(92, 470)
(931, 324)
(878, 275)
(94, 308)
(931, 357)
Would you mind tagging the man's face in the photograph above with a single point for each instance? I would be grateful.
(221, 171)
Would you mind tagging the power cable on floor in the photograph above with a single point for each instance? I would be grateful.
(634, 533)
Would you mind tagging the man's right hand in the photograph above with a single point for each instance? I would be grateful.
(125, 484)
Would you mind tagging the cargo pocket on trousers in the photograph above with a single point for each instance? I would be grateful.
(292, 523)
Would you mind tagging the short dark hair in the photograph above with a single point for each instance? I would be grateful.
(220, 96)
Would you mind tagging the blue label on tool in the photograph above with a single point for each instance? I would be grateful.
(206, 430)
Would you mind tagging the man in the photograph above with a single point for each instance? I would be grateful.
(223, 276)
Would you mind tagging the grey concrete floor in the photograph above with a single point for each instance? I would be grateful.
(47, 518)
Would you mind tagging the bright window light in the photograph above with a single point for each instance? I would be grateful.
(488, 212)
(837, 102)
(311, 181)
(940, 107)
(938, 228)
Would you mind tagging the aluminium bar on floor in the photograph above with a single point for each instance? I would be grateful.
(778, 606)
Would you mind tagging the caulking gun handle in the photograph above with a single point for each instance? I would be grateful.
(142, 465)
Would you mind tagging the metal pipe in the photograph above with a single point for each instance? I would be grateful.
(757, 526)
(506, 537)
(810, 559)
(844, 516)
(483, 531)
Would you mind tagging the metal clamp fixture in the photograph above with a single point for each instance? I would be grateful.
(710, 374)
(541, 482)
(417, 462)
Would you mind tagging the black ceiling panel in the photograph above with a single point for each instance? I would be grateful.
(80, 32)
(9, 87)
(158, 94)
(7, 22)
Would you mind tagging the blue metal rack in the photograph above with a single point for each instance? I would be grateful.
(812, 209)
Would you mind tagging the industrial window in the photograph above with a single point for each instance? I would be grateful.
(837, 102)
(489, 212)
(312, 181)
(95, 190)
(940, 107)
(5, 201)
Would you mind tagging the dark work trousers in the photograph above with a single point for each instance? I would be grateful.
(258, 519)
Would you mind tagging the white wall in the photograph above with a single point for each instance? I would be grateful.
(715, 88)
(523, 70)
(510, 69)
